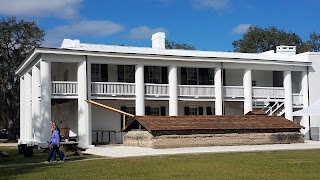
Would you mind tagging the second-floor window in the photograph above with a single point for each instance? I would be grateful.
(155, 75)
(197, 76)
(99, 72)
(126, 73)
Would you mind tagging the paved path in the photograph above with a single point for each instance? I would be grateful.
(126, 151)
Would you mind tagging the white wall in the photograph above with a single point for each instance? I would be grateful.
(233, 77)
(59, 69)
(112, 73)
(66, 115)
(263, 78)
(233, 108)
(314, 92)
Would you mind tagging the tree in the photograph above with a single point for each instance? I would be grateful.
(258, 40)
(313, 44)
(17, 38)
(174, 45)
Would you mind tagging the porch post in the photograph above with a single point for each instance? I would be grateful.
(288, 94)
(45, 109)
(84, 131)
(88, 76)
(36, 94)
(305, 119)
(28, 112)
(218, 90)
(247, 89)
(139, 80)
(22, 109)
(173, 91)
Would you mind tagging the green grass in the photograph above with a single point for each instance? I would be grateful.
(38, 156)
(253, 165)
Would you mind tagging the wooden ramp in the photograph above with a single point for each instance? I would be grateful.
(114, 110)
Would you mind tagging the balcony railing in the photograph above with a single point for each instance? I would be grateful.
(297, 99)
(157, 90)
(268, 92)
(113, 88)
(197, 91)
(233, 91)
(64, 88)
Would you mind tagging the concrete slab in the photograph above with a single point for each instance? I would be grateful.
(126, 151)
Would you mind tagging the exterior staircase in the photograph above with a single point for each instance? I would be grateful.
(274, 109)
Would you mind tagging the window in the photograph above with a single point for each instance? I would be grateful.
(126, 73)
(131, 110)
(192, 76)
(154, 111)
(99, 72)
(153, 74)
(95, 72)
(193, 111)
(129, 73)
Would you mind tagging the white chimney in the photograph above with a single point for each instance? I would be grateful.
(158, 40)
(286, 50)
(69, 43)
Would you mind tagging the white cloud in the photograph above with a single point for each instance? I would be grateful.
(214, 4)
(241, 29)
(144, 32)
(41, 8)
(81, 29)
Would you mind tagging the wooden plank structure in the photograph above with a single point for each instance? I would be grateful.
(124, 114)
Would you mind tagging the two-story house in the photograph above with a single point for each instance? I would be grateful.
(55, 82)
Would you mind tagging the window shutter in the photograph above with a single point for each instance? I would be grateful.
(164, 74)
(203, 76)
(200, 110)
(209, 112)
(186, 111)
(183, 76)
(104, 72)
(146, 74)
(120, 73)
(148, 110)
(122, 108)
(163, 111)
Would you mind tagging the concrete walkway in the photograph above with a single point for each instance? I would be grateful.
(126, 151)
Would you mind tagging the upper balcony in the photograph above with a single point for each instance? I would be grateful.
(118, 90)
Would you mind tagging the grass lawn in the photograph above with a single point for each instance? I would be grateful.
(253, 165)
(38, 156)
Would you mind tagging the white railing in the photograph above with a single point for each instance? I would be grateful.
(112, 88)
(268, 92)
(196, 90)
(157, 89)
(233, 91)
(64, 88)
(297, 99)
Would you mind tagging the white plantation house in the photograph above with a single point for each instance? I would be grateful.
(55, 82)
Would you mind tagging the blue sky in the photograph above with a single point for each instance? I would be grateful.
(206, 24)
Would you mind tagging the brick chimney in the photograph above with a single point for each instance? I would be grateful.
(158, 40)
(286, 50)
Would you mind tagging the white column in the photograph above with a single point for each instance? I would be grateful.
(84, 131)
(45, 110)
(305, 119)
(287, 83)
(218, 90)
(247, 90)
(22, 109)
(139, 80)
(28, 112)
(36, 94)
(173, 91)
(89, 98)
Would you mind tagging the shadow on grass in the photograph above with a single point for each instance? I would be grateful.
(23, 166)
